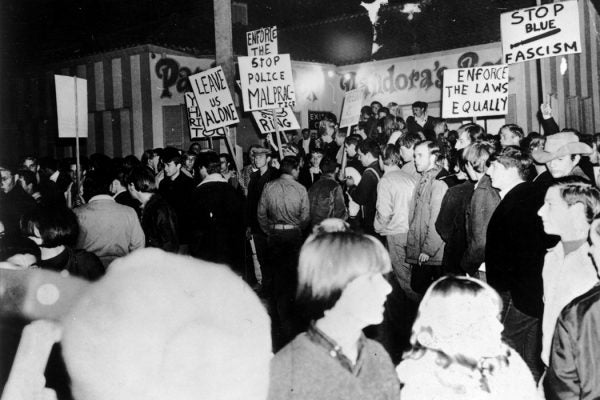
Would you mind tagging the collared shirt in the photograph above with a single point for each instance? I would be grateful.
(335, 351)
(283, 201)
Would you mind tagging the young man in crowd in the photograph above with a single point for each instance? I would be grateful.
(407, 152)
(311, 172)
(118, 188)
(106, 228)
(420, 121)
(514, 253)
(159, 220)
(283, 212)
(217, 228)
(510, 135)
(562, 153)
(424, 246)
(306, 143)
(326, 196)
(394, 195)
(327, 133)
(14, 201)
(365, 193)
(176, 188)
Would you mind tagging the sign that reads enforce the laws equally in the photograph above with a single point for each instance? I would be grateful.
(475, 92)
(195, 122)
(538, 32)
(267, 82)
(352, 105)
(217, 109)
(262, 42)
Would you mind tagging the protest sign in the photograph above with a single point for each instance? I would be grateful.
(538, 32)
(352, 105)
(286, 120)
(314, 117)
(66, 109)
(262, 42)
(195, 122)
(267, 82)
(475, 92)
(217, 109)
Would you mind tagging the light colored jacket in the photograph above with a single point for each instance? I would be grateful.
(424, 210)
(565, 278)
(394, 195)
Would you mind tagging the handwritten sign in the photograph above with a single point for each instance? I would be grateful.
(267, 82)
(286, 120)
(66, 109)
(538, 32)
(195, 122)
(314, 117)
(217, 109)
(474, 92)
(262, 42)
(352, 105)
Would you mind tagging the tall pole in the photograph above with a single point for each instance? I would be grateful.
(77, 164)
(224, 48)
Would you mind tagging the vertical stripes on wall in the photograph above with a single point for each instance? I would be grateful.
(139, 144)
(150, 138)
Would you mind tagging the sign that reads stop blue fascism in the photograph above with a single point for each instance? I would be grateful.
(217, 109)
(475, 92)
(267, 82)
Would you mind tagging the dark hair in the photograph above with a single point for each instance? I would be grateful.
(28, 158)
(142, 180)
(230, 163)
(514, 129)
(376, 102)
(48, 165)
(409, 140)
(13, 245)
(130, 162)
(209, 160)
(96, 183)
(99, 161)
(385, 110)
(171, 154)
(420, 104)
(288, 164)
(28, 176)
(474, 131)
(353, 139)
(514, 156)
(57, 226)
(366, 110)
(148, 155)
(391, 155)
(192, 146)
(328, 165)
(370, 146)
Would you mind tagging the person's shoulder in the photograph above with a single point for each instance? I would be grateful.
(584, 305)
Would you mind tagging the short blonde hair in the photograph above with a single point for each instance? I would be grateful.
(329, 261)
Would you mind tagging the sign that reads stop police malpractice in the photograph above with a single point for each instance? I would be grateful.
(267, 82)
(217, 109)
(262, 42)
(475, 92)
(538, 32)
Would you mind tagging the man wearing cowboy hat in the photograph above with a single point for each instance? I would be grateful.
(562, 152)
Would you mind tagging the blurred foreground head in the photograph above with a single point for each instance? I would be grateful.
(164, 326)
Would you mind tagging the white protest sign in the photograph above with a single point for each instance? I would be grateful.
(213, 97)
(267, 82)
(538, 32)
(475, 92)
(286, 120)
(262, 42)
(195, 122)
(352, 105)
(66, 110)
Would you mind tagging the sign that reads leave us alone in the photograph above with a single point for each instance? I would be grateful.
(475, 92)
(217, 109)
(538, 32)
(267, 82)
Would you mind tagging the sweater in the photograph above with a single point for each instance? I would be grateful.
(305, 369)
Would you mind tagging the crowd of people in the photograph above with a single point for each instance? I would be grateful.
(460, 258)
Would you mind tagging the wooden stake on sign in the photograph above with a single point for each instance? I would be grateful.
(77, 165)
(210, 143)
(277, 134)
(230, 150)
(342, 173)
(474, 120)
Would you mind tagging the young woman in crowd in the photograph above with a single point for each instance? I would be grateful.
(341, 290)
(457, 351)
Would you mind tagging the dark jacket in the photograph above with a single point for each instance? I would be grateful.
(79, 263)
(365, 194)
(574, 372)
(177, 193)
(478, 213)
(515, 249)
(326, 200)
(450, 224)
(159, 223)
(14, 205)
(218, 225)
(413, 127)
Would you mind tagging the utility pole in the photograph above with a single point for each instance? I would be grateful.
(224, 49)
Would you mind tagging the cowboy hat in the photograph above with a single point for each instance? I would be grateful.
(560, 145)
